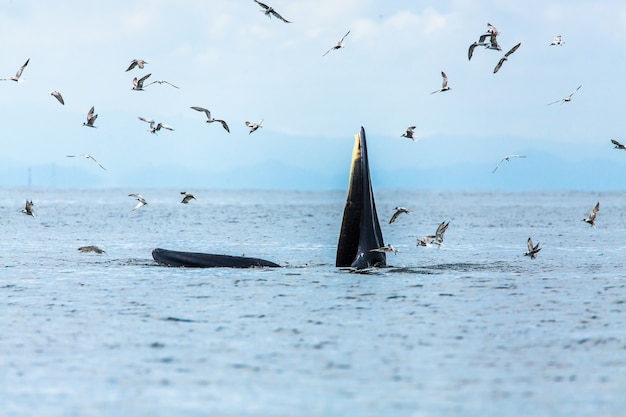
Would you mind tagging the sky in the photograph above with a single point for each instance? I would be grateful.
(227, 56)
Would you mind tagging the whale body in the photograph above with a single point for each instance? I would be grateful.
(360, 230)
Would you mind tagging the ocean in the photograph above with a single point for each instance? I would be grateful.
(471, 328)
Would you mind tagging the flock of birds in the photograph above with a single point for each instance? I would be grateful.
(488, 40)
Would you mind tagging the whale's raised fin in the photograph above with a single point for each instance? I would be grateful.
(360, 229)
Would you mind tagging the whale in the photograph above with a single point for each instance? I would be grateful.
(359, 234)
(360, 231)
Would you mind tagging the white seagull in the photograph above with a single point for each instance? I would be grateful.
(142, 201)
(138, 82)
(136, 63)
(211, 119)
(444, 84)
(86, 155)
(91, 117)
(617, 144)
(507, 158)
(398, 211)
(58, 96)
(558, 41)
(254, 126)
(592, 215)
(339, 44)
(91, 248)
(388, 248)
(532, 250)
(28, 208)
(18, 74)
(506, 57)
(566, 99)
(155, 127)
(269, 11)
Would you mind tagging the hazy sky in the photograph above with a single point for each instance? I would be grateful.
(227, 56)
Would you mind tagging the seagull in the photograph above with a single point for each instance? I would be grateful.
(91, 117)
(592, 215)
(410, 133)
(444, 84)
(153, 128)
(399, 211)
(473, 46)
(91, 248)
(269, 11)
(18, 74)
(491, 29)
(28, 208)
(493, 42)
(138, 83)
(136, 63)
(210, 119)
(187, 197)
(142, 201)
(507, 158)
(505, 57)
(161, 82)
(532, 250)
(254, 126)
(425, 241)
(441, 229)
(339, 44)
(57, 95)
(618, 145)
(86, 155)
(558, 41)
(566, 99)
(388, 248)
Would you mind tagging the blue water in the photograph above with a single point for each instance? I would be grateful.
(473, 328)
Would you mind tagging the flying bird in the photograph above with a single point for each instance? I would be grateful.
(491, 29)
(211, 119)
(410, 133)
(592, 215)
(142, 201)
(269, 11)
(566, 99)
(18, 74)
(507, 158)
(398, 212)
(444, 84)
(617, 144)
(28, 208)
(506, 57)
(187, 197)
(58, 96)
(138, 82)
(91, 248)
(155, 127)
(91, 117)
(441, 230)
(254, 126)
(558, 41)
(339, 44)
(532, 250)
(136, 63)
(86, 155)
(161, 82)
(388, 248)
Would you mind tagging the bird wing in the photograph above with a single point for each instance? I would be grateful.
(574, 92)
(147, 120)
(470, 51)
(164, 126)
(513, 49)
(482, 38)
(58, 96)
(206, 111)
(554, 102)
(497, 166)
(497, 68)
(275, 13)
(265, 6)
(94, 159)
(344, 37)
(18, 74)
(142, 79)
(441, 230)
(132, 65)
(90, 112)
(444, 83)
(224, 124)
(594, 212)
(529, 243)
(395, 216)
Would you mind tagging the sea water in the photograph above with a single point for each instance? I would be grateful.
(471, 328)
